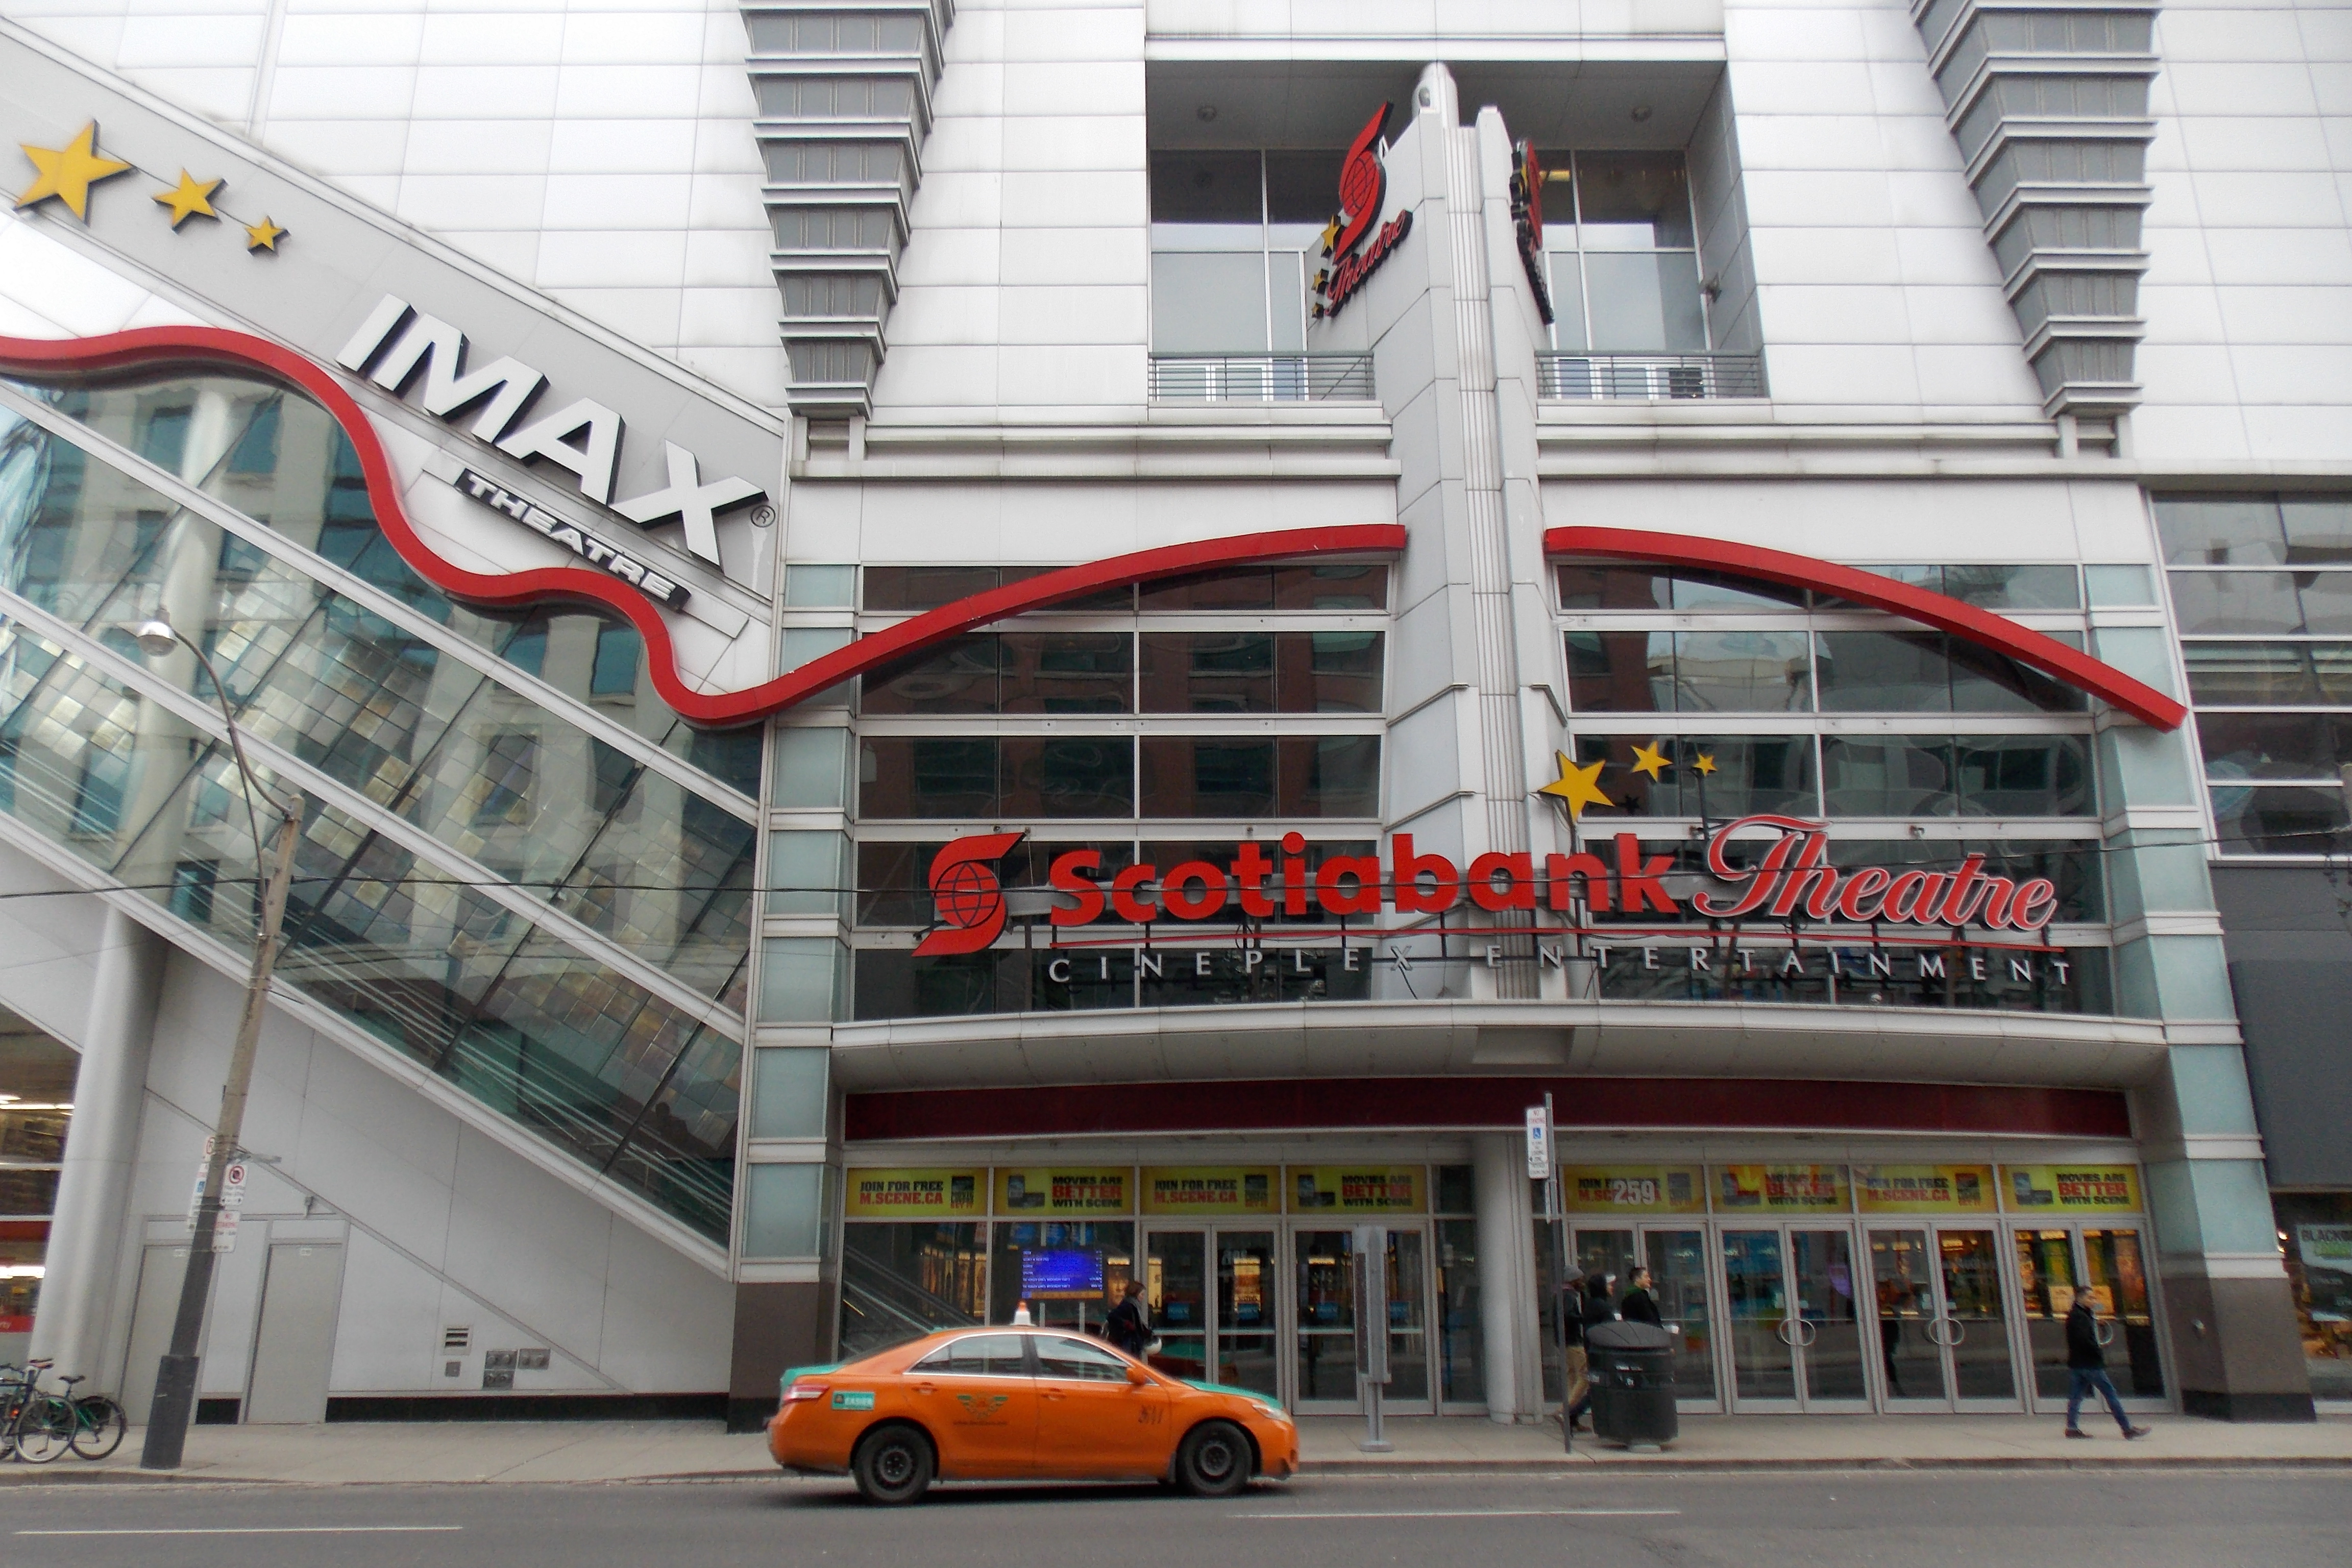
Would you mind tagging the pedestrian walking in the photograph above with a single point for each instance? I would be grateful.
(1637, 1305)
(1129, 1325)
(2086, 1368)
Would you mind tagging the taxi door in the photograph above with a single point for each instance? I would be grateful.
(976, 1397)
(1091, 1421)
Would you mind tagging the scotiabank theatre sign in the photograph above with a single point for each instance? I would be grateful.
(1787, 921)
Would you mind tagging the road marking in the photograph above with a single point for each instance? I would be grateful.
(265, 1529)
(1489, 1513)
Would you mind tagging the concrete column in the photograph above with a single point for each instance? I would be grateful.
(101, 1147)
(1507, 1278)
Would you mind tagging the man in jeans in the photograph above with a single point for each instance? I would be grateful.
(2086, 1365)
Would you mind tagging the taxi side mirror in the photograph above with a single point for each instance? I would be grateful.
(1137, 1375)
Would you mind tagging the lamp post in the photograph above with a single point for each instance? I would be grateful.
(175, 1375)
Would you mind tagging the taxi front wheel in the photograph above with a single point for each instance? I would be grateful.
(892, 1464)
(1214, 1461)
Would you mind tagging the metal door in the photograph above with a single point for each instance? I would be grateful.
(294, 1348)
(160, 1269)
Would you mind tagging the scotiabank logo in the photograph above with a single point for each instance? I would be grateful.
(1363, 190)
(966, 896)
(1792, 880)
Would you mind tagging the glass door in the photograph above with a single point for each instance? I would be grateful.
(1796, 1326)
(1323, 1373)
(2114, 1268)
(1943, 1329)
(1678, 1261)
(1245, 1339)
(2046, 1281)
(1175, 1284)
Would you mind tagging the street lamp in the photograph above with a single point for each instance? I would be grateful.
(175, 1376)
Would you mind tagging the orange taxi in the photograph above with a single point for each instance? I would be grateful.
(1022, 1404)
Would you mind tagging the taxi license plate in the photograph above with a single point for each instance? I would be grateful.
(853, 1399)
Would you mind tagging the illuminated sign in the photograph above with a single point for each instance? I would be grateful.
(966, 896)
(1924, 1189)
(583, 436)
(1363, 190)
(1062, 1191)
(1779, 1189)
(1350, 1189)
(1632, 1189)
(915, 1194)
(2091, 1187)
(1527, 218)
(1211, 1190)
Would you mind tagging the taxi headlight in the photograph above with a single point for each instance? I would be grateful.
(1275, 1413)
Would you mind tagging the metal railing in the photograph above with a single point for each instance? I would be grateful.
(1261, 378)
(1652, 378)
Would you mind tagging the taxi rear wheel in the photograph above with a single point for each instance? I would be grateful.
(1214, 1461)
(893, 1465)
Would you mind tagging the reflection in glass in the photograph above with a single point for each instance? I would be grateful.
(1740, 672)
(1978, 1324)
(1461, 1327)
(1678, 1280)
(1750, 774)
(2024, 775)
(1821, 1263)
(899, 1282)
(2220, 530)
(1887, 775)
(1763, 1361)
(1176, 1289)
(2046, 1280)
(1327, 1314)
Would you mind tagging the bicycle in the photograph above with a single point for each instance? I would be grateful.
(99, 1424)
(34, 1426)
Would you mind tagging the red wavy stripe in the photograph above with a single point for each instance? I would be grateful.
(180, 345)
(1941, 611)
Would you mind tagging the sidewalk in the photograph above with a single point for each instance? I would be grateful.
(569, 1452)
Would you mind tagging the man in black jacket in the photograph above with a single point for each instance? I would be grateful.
(2086, 1364)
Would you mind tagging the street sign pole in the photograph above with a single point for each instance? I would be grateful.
(1552, 1201)
(1370, 1261)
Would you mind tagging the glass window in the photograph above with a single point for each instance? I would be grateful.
(899, 1282)
(1074, 777)
(1329, 672)
(1645, 303)
(797, 975)
(980, 1356)
(2263, 674)
(1209, 301)
(2119, 585)
(789, 1092)
(891, 588)
(959, 675)
(2318, 529)
(812, 768)
(2210, 602)
(1104, 1250)
(1887, 775)
(2275, 819)
(2024, 775)
(1632, 201)
(1208, 672)
(820, 588)
(616, 672)
(2275, 746)
(1620, 672)
(2316, 1231)
(1741, 774)
(1226, 778)
(805, 873)
(783, 1211)
(2220, 530)
(2013, 587)
(1077, 1360)
(1616, 588)
(1884, 672)
(1741, 672)
(927, 776)
(1624, 268)
(1065, 672)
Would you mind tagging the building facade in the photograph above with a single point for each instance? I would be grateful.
(937, 657)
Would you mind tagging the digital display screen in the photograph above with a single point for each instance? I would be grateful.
(1067, 1272)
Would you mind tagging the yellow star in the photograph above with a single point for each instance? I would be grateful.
(1330, 235)
(1705, 764)
(69, 172)
(190, 200)
(1580, 786)
(1651, 761)
(263, 236)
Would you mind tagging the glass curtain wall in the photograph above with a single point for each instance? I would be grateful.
(1623, 254)
(2262, 593)
(1236, 236)
(418, 952)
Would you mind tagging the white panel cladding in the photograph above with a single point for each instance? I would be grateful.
(1433, 21)
(1874, 293)
(599, 152)
(2248, 357)
(2048, 102)
(1024, 284)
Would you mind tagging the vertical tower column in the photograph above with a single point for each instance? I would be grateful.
(1507, 1285)
(102, 1146)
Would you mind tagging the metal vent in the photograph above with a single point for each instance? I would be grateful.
(843, 90)
(2049, 102)
(457, 1341)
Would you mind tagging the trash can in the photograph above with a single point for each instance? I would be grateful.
(1632, 1371)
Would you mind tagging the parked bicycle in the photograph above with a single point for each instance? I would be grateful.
(36, 1425)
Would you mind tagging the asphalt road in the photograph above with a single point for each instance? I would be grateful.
(2209, 1519)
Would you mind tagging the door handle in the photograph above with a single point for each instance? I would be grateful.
(927, 1388)
(1955, 1331)
(1807, 1332)
(1786, 1330)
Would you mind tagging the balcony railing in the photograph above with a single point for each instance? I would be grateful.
(1261, 378)
(1649, 378)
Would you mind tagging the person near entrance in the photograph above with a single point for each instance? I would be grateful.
(1637, 1305)
(1592, 1307)
(2086, 1368)
(1129, 1324)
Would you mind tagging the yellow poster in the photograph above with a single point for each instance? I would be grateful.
(2090, 1187)
(1632, 1189)
(1061, 1190)
(1779, 1189)
(1923, 1189)
(1354, 1189)
(915, 1194)
(1210, 1190)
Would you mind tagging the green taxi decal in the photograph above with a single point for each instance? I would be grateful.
(981, 1409)
(853, 1399)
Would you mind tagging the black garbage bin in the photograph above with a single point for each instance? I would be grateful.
(1632, 1371)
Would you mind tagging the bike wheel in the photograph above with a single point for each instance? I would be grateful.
(45, 1430)
(99, 1426)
